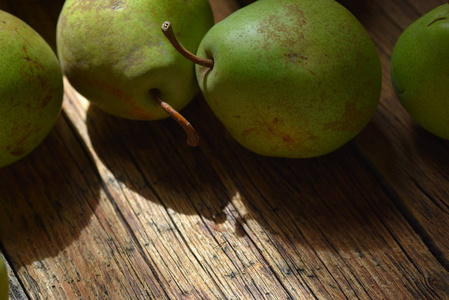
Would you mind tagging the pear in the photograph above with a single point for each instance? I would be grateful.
(31, 89)
(420, 70)
(114, 54)
(290, 78)
(4, 283)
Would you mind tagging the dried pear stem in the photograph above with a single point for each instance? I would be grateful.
(170, 35)
(192, 137)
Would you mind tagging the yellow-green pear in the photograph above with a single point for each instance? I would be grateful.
(31, 89)
(114, 53)
(420, 70)
(290, 78)
(4, 283)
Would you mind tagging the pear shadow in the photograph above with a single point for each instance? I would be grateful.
(381, 150)
(334, 197)
(48, 198)
(152, 159)
(361, 9)
(431, 148)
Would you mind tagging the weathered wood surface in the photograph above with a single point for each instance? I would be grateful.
(114, 209)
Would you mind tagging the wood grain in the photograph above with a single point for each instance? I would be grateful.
(108, 208)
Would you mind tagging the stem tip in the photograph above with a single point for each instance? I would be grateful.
(192, 137)
(166, 25)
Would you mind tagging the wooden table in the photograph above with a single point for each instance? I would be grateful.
(108, 208)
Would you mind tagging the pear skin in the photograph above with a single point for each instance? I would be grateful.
(4, 284)
(114, 53)
(420, 71)
(291, 78)
(31, 89)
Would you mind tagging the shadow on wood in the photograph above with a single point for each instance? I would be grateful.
(284, 195)
(359, 8)
(48, 198)
(152, 159)
(310, 203)
(423, 139)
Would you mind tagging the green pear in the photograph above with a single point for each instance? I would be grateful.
(31, 89)
(420, 70)
(291, 78)
(114, 54)
(4, 283)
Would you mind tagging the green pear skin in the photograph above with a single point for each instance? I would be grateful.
(420, 71)
(31, 89)
(114, 53)
(291, 78)
(4, 284)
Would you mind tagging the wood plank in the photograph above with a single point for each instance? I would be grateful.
(411, 163)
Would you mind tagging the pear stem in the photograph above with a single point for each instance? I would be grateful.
(170, 35)
(192, 137)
